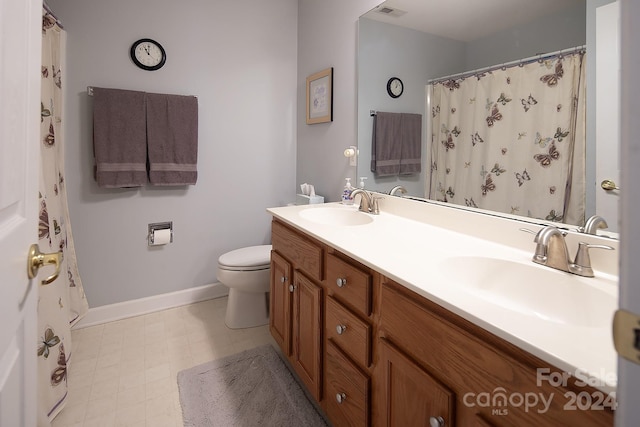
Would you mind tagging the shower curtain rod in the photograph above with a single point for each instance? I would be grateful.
(46, 7)
(539, 57)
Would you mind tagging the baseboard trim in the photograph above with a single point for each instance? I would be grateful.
(123, 310)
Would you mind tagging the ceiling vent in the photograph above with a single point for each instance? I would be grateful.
(388, 11)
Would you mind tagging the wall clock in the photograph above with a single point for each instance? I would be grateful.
(395, 87)
(148, 54)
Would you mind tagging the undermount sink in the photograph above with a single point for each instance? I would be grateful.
(533, 290)
(336, 215)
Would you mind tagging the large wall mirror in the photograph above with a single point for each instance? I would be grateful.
(422, 40)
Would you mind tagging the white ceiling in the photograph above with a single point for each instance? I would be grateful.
(468, 20)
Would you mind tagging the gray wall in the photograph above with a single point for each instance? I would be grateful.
(386, 50)
(565, 29)
(239, 58)
(327, 32)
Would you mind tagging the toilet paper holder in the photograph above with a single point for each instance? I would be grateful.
(156, 226)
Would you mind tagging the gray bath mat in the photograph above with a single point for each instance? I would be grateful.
(248, 389)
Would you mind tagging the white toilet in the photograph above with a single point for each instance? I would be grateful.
(245, 272)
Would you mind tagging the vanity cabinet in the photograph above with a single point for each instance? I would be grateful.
(374, 353)
(296, 303)
(468, 376)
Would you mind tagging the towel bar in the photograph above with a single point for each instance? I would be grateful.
(90, 91)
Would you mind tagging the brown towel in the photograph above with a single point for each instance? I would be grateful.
(119, 138)
(172, 139)
(386, 147)
(411, 140)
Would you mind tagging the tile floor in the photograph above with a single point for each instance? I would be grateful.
(124, 373)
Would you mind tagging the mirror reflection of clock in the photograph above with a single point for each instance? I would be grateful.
(395, 87)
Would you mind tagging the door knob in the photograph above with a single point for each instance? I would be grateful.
(609, 185)
(37, 259)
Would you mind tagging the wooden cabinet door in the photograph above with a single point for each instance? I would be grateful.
(280, 302)
(307, 326)
(411, 396)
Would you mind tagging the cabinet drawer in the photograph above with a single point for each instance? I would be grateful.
(347, 390)
(349, 284)
(348, 332)
(301, 251)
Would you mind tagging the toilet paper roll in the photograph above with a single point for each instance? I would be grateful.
(161, 237)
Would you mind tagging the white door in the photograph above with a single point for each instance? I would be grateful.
(20, 46)
(628, 413)
(608, 111)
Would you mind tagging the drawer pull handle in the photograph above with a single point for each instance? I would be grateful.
(436, 421)
(340, 329)
(292, 288)
(340, 397)
(341, 282)
(283, 279)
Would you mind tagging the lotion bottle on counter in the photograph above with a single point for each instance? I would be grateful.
(346, 192)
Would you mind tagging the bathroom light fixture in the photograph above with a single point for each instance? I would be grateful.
(352, 154)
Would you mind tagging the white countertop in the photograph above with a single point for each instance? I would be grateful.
(435, 260)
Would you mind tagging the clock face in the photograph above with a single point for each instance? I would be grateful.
(394, 87)
(148, 54)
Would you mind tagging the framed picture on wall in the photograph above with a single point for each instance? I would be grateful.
(320, 97)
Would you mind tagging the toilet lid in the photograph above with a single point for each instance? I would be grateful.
(249, 258)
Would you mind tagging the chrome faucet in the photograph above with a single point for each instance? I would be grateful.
(551, 250)
(593, 224)
(398, 188)
(368, 202)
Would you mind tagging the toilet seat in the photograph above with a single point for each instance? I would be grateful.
(252, 258)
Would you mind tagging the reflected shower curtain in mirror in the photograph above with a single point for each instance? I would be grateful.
(512, 139)
(62, 302)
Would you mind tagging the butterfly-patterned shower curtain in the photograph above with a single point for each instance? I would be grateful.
(513, 139)
(62, 302)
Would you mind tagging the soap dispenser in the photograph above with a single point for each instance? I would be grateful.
(346, 192)
(362, 178)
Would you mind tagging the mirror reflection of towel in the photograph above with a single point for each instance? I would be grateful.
(396, 144)
(385, 147)
(411, 137)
